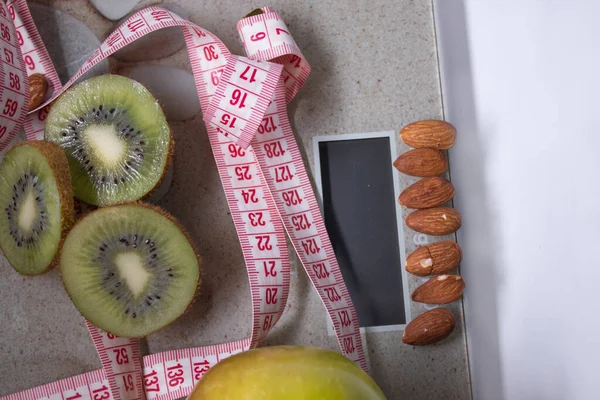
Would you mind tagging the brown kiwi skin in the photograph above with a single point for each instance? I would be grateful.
(185, 233)
(82, 209)
(57, 159)
(168, 163)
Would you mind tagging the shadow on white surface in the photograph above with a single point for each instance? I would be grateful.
(524, 100)
(478, 238)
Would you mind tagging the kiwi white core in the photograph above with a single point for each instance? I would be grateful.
(133, 271)
(27, 212)
(105, 143)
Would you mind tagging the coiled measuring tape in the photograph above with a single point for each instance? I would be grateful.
(243, 100)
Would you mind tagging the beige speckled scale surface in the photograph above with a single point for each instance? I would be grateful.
(374, 69)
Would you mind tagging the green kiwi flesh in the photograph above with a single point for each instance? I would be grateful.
(129, 269)
(116, 137)
(36, 200)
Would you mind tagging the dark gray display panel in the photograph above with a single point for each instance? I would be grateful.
(360, 215)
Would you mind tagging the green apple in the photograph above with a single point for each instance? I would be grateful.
(286, 373)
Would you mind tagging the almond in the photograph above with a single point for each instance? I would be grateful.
(434, 221)
(38, 86)
(429, 327)
(441, 289)
(433, 134)
(422, 162)
(427, 193)
(435, 258)
(446, 256)
(419, 262)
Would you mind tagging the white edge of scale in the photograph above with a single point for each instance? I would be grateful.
(391, 135)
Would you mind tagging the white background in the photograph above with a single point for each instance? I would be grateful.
(521, 84)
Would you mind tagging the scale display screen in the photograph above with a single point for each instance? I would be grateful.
(359, 206)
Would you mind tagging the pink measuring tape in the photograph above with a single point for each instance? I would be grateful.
(244, 102)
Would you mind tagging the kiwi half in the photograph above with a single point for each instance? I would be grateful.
(116, 137)
(130, 269)
(37, 203)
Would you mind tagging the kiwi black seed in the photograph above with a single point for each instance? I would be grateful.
(130, 269)
(116, 137)
(36, 204)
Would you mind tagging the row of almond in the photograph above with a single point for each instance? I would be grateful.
(427, 160)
